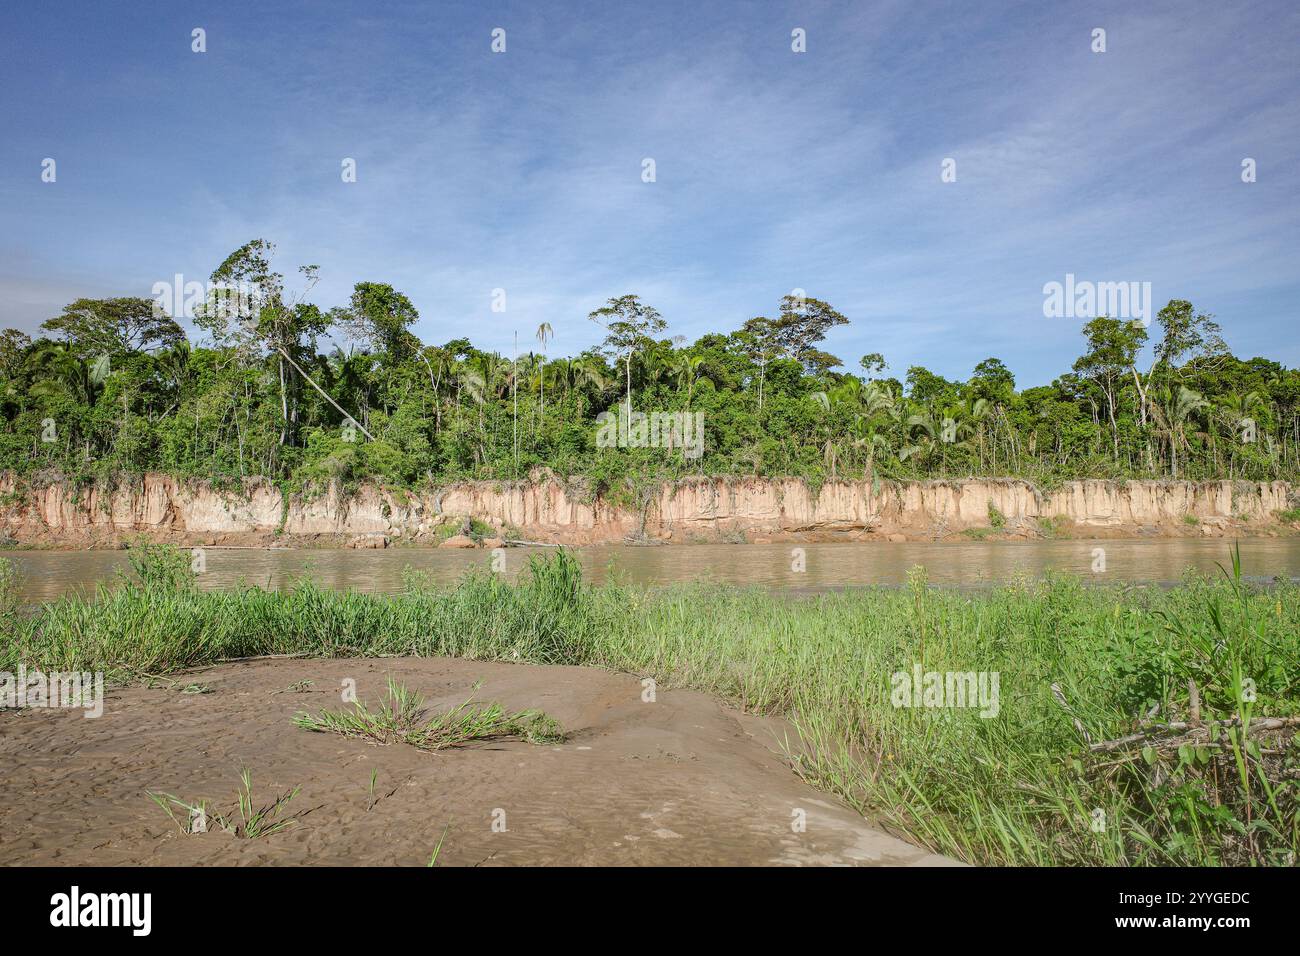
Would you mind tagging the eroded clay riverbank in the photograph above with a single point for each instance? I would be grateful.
(755, 510)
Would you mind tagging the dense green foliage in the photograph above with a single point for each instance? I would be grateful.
(1021, 786)
(116, 389)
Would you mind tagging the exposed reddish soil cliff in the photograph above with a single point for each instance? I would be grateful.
(162, 508)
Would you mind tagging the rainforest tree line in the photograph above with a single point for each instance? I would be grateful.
(283, 389)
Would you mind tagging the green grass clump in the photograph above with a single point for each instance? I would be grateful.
(1019, 787)
(1049, 526)
(10, 602)
(246, 820)
(403, 718)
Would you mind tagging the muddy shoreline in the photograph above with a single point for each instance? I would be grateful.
(682, 780)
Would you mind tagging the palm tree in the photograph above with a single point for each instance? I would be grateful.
(64, 373)
(878, 412)
(1239, 410)
(956, 420)
(544, 335)
(829, 449)
(866, 432)
(688, 370)
(174, 362)
(561, 371)
(846, 395)
(923, 445)
(174, 365)
(873, 409)
(1172, 413)
(62, 370)
(587, 370)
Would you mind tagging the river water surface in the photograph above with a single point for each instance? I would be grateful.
(49, 574)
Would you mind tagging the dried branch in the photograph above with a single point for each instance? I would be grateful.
(1188, 732)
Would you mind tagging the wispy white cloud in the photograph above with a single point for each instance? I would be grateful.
(775, 170)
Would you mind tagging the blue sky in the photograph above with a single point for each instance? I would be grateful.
(775, 170)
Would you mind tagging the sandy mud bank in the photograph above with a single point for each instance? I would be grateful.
(679, 781)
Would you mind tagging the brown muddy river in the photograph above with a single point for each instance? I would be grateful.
(48, 574)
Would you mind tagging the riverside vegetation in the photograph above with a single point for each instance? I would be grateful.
(275, 386)
(1129, 730)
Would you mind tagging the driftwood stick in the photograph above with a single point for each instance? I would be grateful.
(1188, 731)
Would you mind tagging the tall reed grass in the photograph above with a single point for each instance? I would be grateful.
(1021, 787)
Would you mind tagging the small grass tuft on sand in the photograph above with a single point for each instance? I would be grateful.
(246, 820)
(402, 717)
